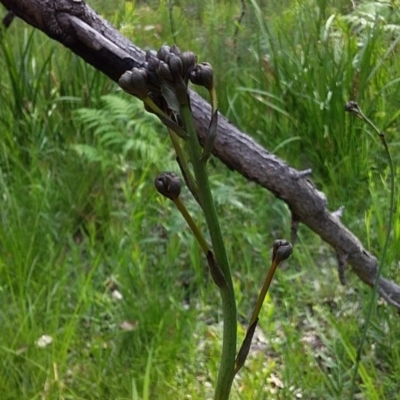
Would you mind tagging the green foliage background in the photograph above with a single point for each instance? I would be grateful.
(92, 257)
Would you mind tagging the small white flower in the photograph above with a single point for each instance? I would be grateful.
(44, 341)
(116, 295)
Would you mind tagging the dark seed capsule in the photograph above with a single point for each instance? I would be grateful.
(168, 184)
(163, 52)
(175, 50)
(282, 250)
(351, 106)
(189, 60)
(175, 65)
(202, 74)
(164, 72)
(152, 64)
(134, 82)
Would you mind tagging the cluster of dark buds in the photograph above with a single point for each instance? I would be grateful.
(162, 80)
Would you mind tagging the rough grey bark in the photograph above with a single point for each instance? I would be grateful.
(76, 26)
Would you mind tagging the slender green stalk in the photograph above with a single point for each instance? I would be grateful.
(196, 232)
(282, 250)
(264, 290)
(214, 101)
(154, 106)
(183, 164)
(372, 304)
(225, 373)
(245, 347)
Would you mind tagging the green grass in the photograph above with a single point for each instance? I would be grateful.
(81, 222)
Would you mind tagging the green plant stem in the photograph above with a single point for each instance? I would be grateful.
(196, 232)
(245, 347)
(226, 368)
(154, 106)
(374, 296)
(214, 101)
(264, 290)
(176, 144)
(183, 162)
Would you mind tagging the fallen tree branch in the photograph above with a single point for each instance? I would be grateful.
(78, 27)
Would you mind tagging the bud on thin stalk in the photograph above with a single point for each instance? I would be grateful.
(202, 75)
(282, 249)
(168, 184)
